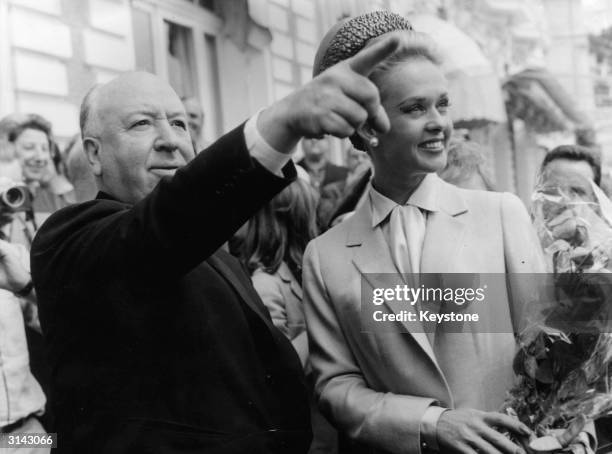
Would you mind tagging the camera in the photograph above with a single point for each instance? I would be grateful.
(14, 196)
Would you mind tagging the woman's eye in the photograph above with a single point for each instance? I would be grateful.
(416, 108)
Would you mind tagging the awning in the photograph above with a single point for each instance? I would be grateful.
(536, 97)
(475, 89)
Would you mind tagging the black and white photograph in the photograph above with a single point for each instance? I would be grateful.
(306, 226)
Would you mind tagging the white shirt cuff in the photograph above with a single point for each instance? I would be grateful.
(261, 150)
(429, 426)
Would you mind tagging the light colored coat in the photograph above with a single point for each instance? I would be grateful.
(282, 295)
(376, 386)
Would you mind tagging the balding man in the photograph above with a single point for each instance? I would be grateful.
(158, 343)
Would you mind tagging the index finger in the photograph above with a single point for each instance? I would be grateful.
(367, 59)
(507, 422)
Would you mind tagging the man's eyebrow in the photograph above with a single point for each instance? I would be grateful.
(176, 113)
(154, 112)
(148, 111)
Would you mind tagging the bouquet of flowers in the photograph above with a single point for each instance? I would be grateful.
(564, 359)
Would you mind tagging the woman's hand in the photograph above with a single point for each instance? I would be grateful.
(472, 431)
(571, 440)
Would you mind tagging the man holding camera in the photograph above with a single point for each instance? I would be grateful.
(158, 341)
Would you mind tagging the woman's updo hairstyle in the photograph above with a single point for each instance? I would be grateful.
(349, 36)
(413, 45)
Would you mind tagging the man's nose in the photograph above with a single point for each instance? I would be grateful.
(167, 138)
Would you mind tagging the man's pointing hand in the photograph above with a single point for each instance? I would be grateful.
(336, 102)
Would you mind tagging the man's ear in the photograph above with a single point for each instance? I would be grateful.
(91, 147)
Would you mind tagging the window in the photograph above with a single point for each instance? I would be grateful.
(602, 94)
(168, 35)
(207, 4)
(212, 120)
(180, 58)
(143, 40)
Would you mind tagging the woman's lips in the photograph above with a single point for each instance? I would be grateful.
(36, 164)
(432, 145)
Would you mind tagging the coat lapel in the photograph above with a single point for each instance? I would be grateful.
(444, 233)
(372, 257)
(249, 297)
(285, 274)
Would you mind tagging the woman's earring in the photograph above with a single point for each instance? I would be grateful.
(369, 137)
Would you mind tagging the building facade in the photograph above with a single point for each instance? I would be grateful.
(237, 56)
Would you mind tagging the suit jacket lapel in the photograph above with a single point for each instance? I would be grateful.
(445, 230)
(373, 257)
(249, 297)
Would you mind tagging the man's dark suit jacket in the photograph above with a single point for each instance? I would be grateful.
(158, 343)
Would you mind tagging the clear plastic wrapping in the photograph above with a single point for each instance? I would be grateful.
(564, 358)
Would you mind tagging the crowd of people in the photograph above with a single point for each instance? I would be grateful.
(179, 298)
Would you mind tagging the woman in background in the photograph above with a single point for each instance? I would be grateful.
(466, 166)
(272, 251)
(32, 145)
